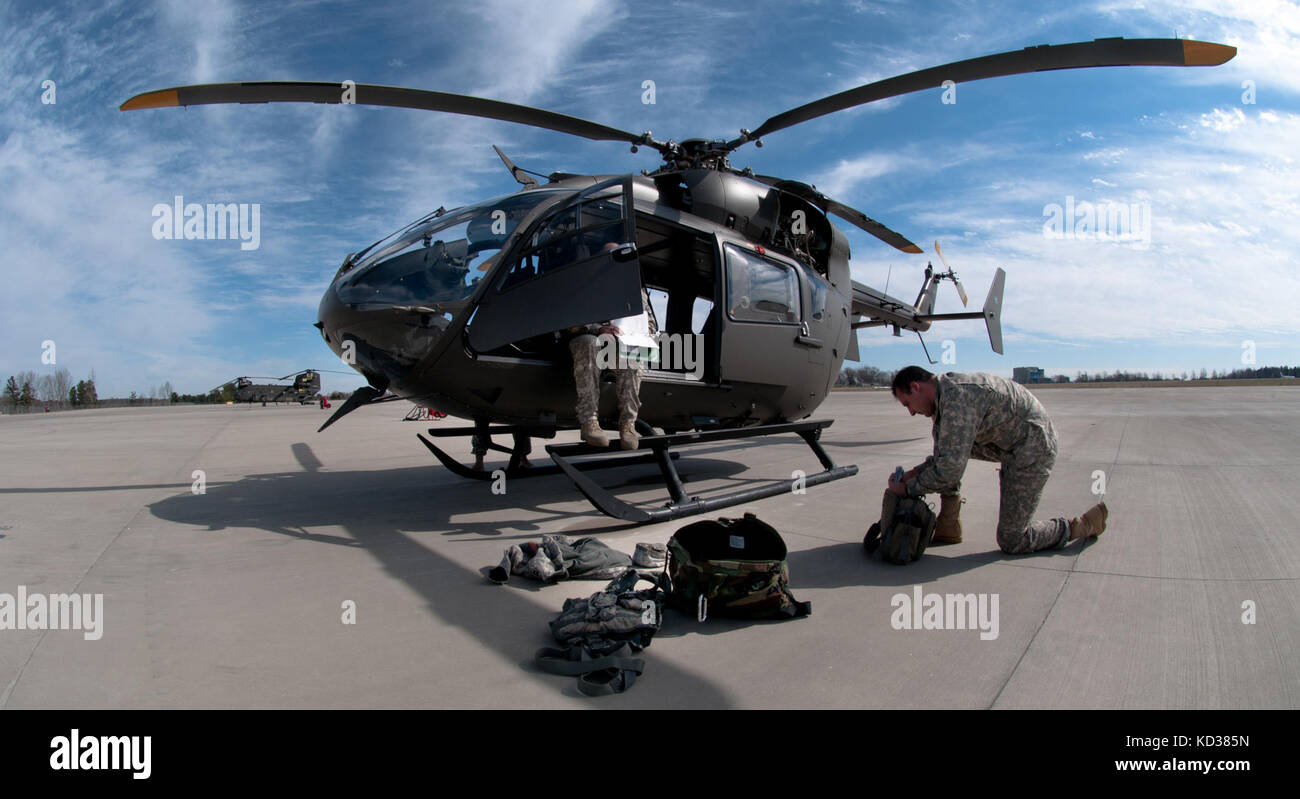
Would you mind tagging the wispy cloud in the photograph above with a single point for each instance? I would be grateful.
(78, 179)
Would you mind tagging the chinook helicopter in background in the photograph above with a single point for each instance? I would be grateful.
(305, 388)
(462, 310)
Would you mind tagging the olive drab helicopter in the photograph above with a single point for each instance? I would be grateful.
(464, 310)
(305, 388)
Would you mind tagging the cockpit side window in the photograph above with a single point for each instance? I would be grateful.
(759, 289)
(572, 235)
(818, 288)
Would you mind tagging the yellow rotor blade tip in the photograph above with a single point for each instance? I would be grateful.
(163, 99)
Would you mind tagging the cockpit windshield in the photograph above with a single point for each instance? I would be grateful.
(438, 261)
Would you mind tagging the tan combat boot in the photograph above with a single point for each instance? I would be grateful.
(591, 434)
(627, 435)
(948, 529)
(1091, 524)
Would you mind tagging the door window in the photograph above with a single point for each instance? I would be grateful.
(760, 290)
(574, 234)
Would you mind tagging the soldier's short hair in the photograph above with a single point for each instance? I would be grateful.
(906, 376)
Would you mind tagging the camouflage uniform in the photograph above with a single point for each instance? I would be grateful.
(479, 443)
(991, 418)
(586, 375)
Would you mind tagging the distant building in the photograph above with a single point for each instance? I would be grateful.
(1061, 379)
(1028, 374)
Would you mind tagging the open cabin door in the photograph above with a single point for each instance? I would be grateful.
(576, 266)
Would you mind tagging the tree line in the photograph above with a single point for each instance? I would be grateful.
(1259, 373)
(26, 390)
(871, 376)
(864, 376)
(55, 390)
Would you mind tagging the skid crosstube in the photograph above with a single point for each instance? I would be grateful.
(682, 504)
(512, 470)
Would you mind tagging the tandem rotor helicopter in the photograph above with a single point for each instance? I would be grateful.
(461, 311)
(305, 388)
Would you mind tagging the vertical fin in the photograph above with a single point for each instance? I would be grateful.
(993, 310)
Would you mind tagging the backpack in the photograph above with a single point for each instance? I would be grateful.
(731, 567)
(908, 526)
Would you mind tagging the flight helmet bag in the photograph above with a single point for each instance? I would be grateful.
(905, 529)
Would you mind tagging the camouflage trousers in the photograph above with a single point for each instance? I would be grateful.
(478, 443)
(1023, 475)
(586, 381)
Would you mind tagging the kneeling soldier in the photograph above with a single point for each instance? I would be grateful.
(989, 418)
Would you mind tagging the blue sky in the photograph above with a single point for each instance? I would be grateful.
(1214, 166)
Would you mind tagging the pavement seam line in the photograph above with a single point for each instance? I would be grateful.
(1029, 645)
(1056, 599)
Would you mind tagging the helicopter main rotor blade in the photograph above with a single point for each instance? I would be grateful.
(231, 382)
(367, 94)
(1116, 52)
(845, 212)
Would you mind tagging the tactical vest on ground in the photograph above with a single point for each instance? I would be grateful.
(601, 635)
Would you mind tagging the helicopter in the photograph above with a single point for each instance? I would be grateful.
(463, 310)
(304, 388)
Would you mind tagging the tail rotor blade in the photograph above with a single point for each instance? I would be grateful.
(961, 292)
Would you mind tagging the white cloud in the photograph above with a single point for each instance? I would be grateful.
(1221, 260)
(79, 179)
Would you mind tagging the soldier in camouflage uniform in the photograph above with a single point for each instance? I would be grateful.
(481, 441)
(993, 419)
(586, 378)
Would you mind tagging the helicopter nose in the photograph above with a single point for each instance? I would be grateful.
(328, 315)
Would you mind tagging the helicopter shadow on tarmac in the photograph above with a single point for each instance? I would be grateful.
(290, 503)
(870, 443)
(384, 512)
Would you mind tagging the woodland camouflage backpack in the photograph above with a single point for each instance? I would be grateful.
(731, 567)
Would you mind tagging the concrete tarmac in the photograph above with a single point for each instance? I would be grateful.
(235, 597)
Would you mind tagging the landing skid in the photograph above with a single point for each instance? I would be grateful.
(682, 504)
(614, 457)
(574, 459)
